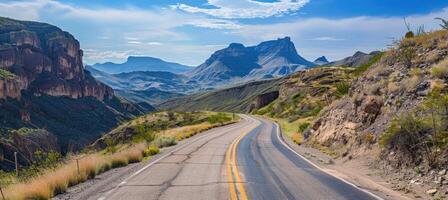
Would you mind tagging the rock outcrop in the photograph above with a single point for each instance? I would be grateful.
(43, 85)
(45, 61)
(390, 87)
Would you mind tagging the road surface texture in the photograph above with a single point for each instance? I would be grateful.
(246, 160)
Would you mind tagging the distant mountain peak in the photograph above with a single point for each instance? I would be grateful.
(321, 60)
(271, 58)
(236, 46)
(359, 53)
(142, 63)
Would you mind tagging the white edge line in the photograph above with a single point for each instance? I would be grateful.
(321, 169)
(152, 163)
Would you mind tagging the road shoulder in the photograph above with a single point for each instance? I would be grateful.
(356, 171)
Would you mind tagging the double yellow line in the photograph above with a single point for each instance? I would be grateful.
(237, 190)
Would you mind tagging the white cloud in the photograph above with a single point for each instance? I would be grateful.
(134, 42)
(231, 9)
(154, 43)
(215, 24)
(358, 33)
(328, 38)
(94, 55)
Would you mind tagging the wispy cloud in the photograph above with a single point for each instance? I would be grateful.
(328, 38)
(154, 43)
(231, 9)
(134, 42)
(94, 55)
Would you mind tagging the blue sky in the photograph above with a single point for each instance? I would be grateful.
(189, 31)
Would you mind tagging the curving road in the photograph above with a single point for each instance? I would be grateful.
(246, 160)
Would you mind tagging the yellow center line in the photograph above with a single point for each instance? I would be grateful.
(235, 182)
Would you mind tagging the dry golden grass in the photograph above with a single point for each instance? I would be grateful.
(430, 38)
(440, 70)
(393, 87)
(56, 181)
(186, 131)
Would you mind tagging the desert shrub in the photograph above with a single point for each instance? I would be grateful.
(165, 142)
(342, 89)
(405, 133)
(151, 150)
(440, 70)
(407, 52)
(118, 161)
(368, 138)
(110, 146)
(47, 159)
(422, 133)
(6, 74)
(303, 127)
(219, 118)
(297, 138)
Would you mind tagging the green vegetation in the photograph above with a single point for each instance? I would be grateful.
(342, 89)
(236, 99)
(440, 70)
(219, 118)
(165, 142)
(361, 69)
(53, 174)
(444, 23)
(151, 150)
(421, 135)
(6, 74)
(303, 127)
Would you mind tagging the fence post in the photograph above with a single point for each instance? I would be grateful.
(1, 191)
(17, 164)
(77, 165)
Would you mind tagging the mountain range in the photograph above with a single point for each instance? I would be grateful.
(238, 63)
(141, 63)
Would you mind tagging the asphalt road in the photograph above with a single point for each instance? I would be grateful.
(246, 160)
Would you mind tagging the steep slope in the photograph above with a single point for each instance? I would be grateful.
(43, 85)
(151, 96)
(395, 113)
(236, 63)
(242, 98)
(136, 63)
(358, 59)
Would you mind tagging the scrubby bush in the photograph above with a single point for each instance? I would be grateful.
(151, 150)
(440, 70)
(421, 134)
(342, 89)
(165, 142)
(407, 52)
(303, 127)
(219, 118)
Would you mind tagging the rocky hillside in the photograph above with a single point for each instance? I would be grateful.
(142, 63)
(235, 63)
(398, 106)
(358, 59)
(243, 98)
(43, 84)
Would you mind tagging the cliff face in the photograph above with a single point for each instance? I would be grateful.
(43, 85)
(44, 60)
